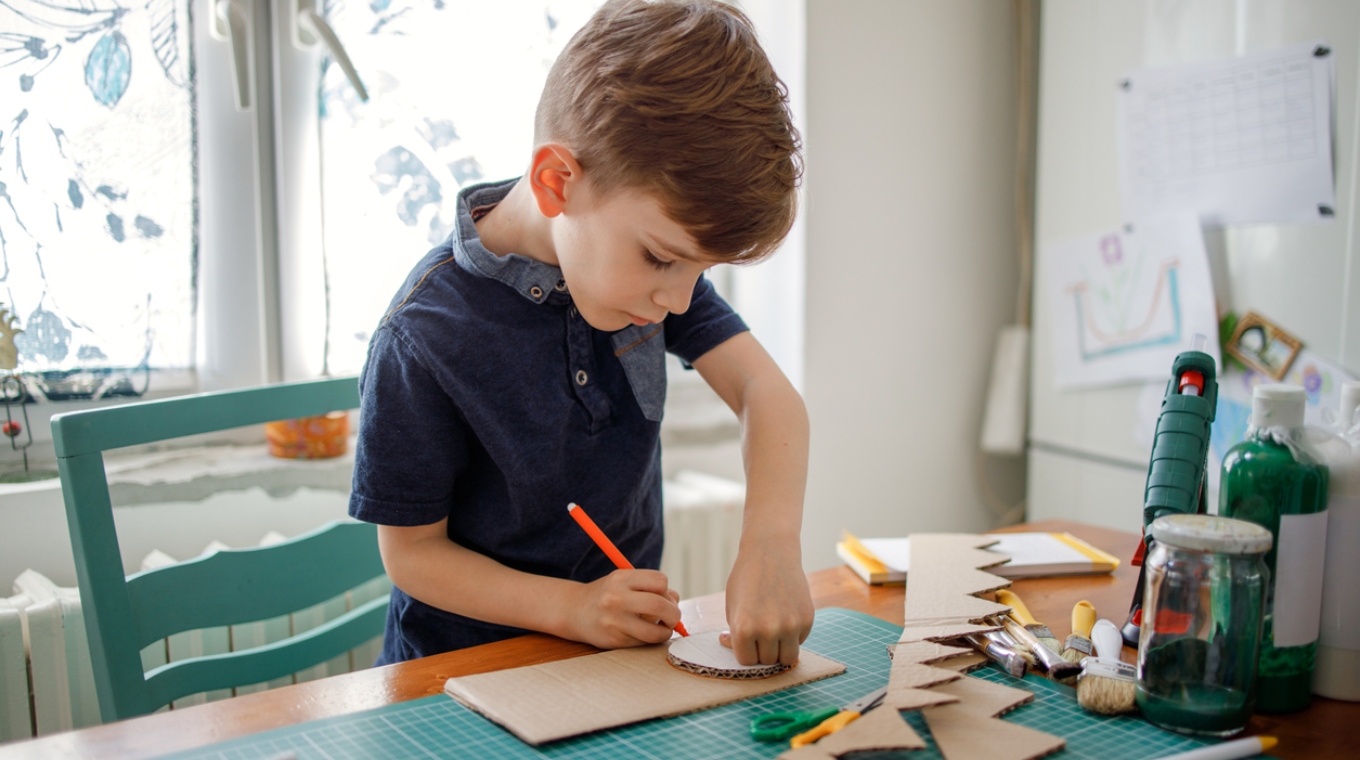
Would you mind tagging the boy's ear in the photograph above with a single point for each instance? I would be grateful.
(553, 175)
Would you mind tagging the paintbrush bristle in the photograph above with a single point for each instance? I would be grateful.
(1063, 670)
(1106, 696)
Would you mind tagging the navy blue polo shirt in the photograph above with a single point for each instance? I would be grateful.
(487, 399)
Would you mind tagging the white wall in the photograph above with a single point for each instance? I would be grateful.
(911, 265)
(1304, 277)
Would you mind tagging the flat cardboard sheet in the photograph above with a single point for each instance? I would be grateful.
(555, 700)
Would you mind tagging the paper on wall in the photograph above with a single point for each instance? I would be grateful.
(1245, 140)
(1125, 302)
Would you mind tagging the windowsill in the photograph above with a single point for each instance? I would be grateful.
(695, 416)
(195, 473)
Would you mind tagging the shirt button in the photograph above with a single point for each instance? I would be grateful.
(581, 377)
(536, 292)
(571, 310)
(561, 286)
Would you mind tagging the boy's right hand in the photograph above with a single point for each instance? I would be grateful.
(626, 608)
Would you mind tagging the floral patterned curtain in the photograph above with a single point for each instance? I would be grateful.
(97, 202)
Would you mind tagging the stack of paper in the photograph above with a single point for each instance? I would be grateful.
(1032, 555)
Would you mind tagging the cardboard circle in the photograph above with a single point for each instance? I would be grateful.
(703, 655)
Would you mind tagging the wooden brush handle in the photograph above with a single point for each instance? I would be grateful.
(1018, 608)
(1083, 618)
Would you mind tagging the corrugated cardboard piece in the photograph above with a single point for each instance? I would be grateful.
(946, 577)
(881, 729)
(969, 728)
(555, 700)
(942, 602)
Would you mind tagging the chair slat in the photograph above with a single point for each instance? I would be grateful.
(123, 615)
(109, 623)
(221, 671)
(245, 585)
(145, 422)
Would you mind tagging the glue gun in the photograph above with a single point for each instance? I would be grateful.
(1180, 456)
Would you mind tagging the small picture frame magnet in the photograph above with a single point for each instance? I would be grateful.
(1263, 345)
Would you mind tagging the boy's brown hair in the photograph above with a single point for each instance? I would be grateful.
(677, 98)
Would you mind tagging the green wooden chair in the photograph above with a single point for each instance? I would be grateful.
(125, 614)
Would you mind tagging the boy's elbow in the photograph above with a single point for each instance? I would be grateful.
(402, 547)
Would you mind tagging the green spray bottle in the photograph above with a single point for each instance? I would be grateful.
(1275, 478)
(1180, 456)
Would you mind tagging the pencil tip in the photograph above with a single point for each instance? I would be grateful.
(571, 506)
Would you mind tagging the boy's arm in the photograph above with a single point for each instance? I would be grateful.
(769, 606)
(617, 610)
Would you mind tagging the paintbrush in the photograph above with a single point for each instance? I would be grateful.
(1078, 645)
(1008, 641)
(1009, 659)
(1108, 685)
(1022, 615)
(1057, 668)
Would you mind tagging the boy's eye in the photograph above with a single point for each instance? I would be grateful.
(653, 261)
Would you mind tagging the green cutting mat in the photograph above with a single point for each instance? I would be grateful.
(439, 727)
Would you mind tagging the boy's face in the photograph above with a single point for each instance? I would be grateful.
(625, 261)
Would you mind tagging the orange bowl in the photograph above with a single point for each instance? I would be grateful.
(319, 437)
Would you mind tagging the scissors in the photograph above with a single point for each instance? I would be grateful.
(807, 726)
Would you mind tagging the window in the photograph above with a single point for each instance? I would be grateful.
(453, 88)
(194, 196)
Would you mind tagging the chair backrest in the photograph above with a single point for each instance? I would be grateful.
(125, 614)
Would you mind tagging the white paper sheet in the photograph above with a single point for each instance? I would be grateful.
(1124, 303)
(1246, 140)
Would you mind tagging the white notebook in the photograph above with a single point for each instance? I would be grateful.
(1032, 555)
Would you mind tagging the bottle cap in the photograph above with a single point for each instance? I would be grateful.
(1208, 533)
(1276, 405)
(1350, 400)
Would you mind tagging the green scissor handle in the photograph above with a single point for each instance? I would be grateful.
(776, 727)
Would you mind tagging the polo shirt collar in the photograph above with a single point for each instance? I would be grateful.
(532, 279)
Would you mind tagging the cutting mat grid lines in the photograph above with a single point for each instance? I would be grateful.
(437, 726)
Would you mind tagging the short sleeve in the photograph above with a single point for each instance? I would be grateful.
(412, 441)
(708, 323)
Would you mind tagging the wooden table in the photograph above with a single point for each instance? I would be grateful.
(1325, 730)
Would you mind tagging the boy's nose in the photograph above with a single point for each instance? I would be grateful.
(674, 298)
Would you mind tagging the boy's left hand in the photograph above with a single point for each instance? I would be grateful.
(769, 607)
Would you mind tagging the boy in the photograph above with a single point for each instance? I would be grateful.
(521, 365)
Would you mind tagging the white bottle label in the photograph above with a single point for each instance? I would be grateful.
(1298, 578)
(1341, 585)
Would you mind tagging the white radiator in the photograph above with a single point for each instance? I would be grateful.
(702, 516)
(46, 683)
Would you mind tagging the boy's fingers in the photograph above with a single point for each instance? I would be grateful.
(656, 607)
(653, 581)
(725, 638)
(745, 650)
(788, 651)
(647, 632)
(673, 594)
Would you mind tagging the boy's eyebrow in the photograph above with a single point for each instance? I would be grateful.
(660, 247)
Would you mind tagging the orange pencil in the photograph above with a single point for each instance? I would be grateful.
(607, 546)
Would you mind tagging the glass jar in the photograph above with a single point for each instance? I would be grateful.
(1201, 634)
